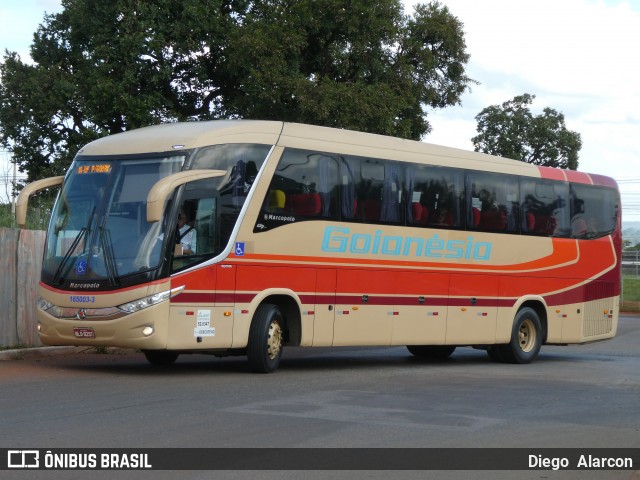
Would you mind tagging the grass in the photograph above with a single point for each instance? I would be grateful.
(630, 294)
(631, 289)
(15, 347)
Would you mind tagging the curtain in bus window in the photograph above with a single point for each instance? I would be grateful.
(324, 184)
(442, 198)
(413, 207)
(347, 189)
(508, 201)
(369, 185)
(391, 193)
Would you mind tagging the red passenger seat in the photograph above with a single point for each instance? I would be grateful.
(304, 204)
(370, 210)
(494, 220)
(419, 212)
(476, 216)
(545, 224)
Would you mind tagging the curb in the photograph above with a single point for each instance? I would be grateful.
(37, 352)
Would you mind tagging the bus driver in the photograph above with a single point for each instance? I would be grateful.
(185, 236)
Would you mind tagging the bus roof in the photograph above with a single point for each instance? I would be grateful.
(184, 136)
(189, 135)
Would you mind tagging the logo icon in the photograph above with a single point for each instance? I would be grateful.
(239, 249)
(82, 314)
(23, 459)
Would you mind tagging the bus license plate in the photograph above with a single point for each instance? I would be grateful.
(84, 332)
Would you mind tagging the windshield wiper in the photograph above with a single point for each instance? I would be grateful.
(109, 257)
(84, 232)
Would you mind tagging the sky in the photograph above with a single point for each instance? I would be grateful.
(578, 57)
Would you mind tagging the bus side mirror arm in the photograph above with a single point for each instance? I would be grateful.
(163, 188)
(23, 199)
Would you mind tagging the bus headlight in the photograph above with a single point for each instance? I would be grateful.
(44, 304)
(145, 302)
(151, 300)
(49, 307)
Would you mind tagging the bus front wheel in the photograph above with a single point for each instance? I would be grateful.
(526, 339)
(266, 336)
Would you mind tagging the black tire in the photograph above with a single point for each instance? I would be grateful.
(266, 335)
(431, 351)
(526, 338)
(494, 353)
(161, 358)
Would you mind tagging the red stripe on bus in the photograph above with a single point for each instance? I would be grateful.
(596, 290)
(578, 177)
(603, 181)
(552, 173)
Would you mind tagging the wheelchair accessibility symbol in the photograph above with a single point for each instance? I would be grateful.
(239, 249)
(81, 267)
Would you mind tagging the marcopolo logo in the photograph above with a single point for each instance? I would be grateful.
(341, 240)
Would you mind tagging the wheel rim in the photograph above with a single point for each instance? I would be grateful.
(527, 335)
(274, 343)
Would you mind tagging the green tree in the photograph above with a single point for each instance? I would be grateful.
(359, 65)
(106, 67)
(511, 130)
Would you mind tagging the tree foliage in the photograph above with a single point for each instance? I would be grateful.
(511, 130)
(106, 67)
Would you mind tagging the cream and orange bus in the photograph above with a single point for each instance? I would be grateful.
(310, 236)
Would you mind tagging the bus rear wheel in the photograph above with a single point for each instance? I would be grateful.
(266, 339)
(526, 339)
(431, 351)
(161, 358)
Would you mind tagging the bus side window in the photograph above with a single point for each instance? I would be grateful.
(303, 186)
(593, 211)
(493, 203)
(544, 210)
(434, 197)
(205, 225)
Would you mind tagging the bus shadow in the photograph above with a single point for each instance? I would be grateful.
(294, 360)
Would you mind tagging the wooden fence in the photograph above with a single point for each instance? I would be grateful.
(20, 264)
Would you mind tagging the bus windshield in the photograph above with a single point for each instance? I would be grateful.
(99, 237)
(98, 231)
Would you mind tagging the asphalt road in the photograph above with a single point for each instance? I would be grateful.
(578, 396)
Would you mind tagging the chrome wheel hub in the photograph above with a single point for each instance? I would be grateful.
(274, 343)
